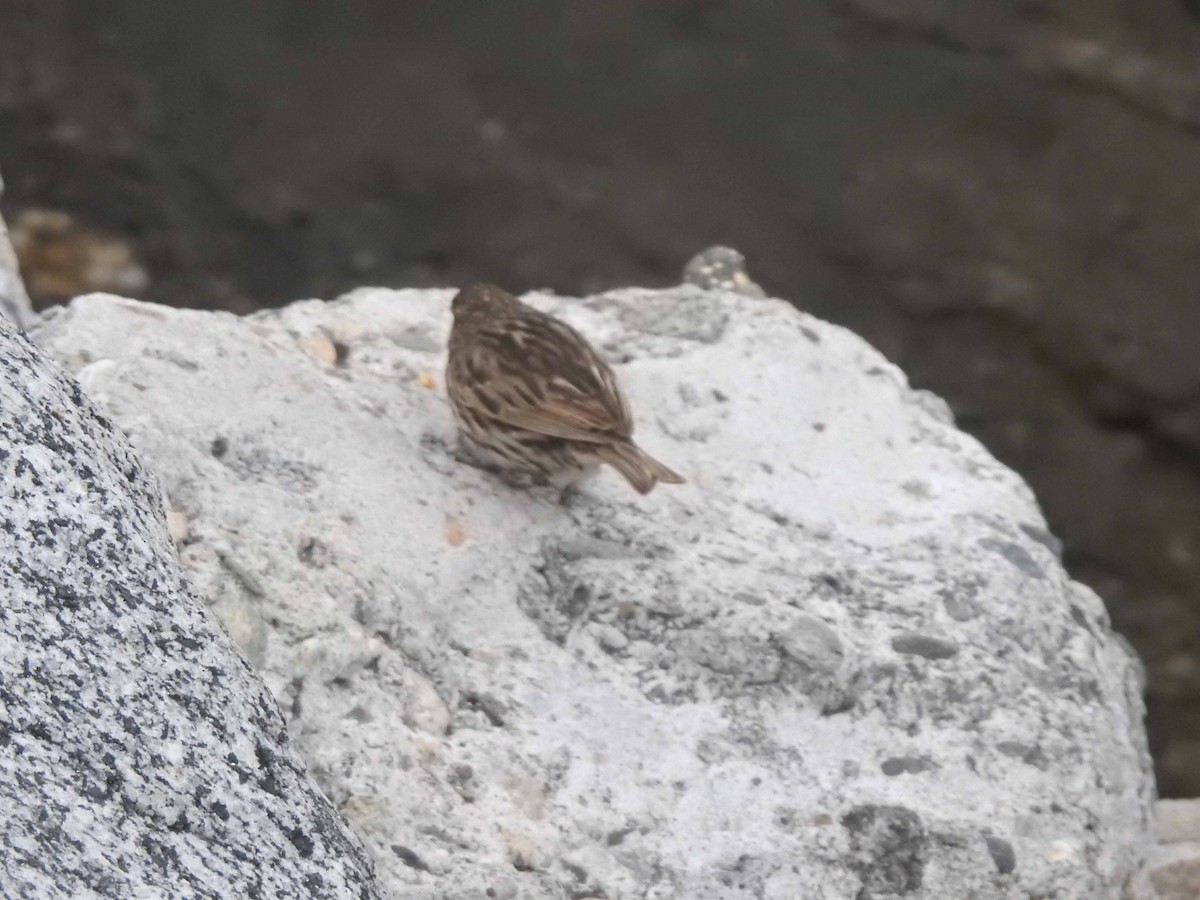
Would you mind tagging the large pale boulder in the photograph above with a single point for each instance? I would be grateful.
(843, 661)
(139, 755)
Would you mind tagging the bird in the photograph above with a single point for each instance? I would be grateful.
(531, 394)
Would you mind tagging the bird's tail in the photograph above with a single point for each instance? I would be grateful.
(640, 469)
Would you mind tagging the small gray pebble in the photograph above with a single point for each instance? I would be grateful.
(721, 269)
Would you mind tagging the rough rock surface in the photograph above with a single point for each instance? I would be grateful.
(721, 269)
(139, 754)
(843, 661)
(14, 302)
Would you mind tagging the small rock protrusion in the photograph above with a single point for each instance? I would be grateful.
(721, 269)
(321, 348)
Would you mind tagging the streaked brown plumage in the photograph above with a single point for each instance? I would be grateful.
(531, 392)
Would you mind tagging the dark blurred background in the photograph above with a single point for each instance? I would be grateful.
(1002, 196)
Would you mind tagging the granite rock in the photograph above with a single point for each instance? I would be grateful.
(139, 754)
(844, 660)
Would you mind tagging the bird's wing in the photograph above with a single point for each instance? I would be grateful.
(537, 373)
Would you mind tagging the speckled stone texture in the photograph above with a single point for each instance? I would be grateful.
(139, 754)
(843, 661)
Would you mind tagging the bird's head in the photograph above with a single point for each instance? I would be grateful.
(482, 300)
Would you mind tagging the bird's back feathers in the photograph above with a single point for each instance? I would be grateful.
(532, 388)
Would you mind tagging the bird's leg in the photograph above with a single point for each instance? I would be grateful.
(572, 481)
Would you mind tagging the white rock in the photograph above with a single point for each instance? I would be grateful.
(843, 661)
